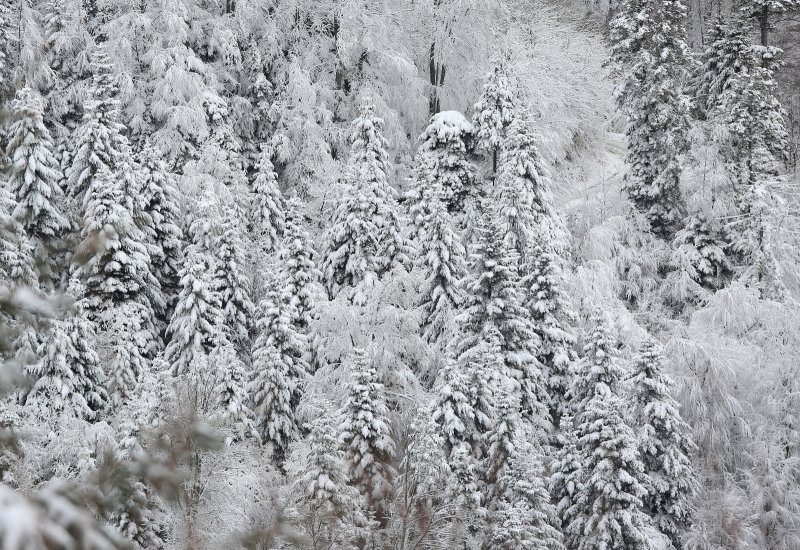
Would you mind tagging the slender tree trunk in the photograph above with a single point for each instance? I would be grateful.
(763, 22)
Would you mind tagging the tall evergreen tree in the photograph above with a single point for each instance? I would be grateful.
(720, 62)
(268, 208)
(521, 193)
(68, 381)
(298, 265)
(279, 371)
(365, 240)
(652, 60)
(162, 227)
(551, 314)
(368, 445)
(494, 110)
(443, 164)
(765, 12)
(607, 510)
(195, 328)
(34, 180)
(495, 305)
(231, 394)
(700, 251)
(442, 263)
(230, 281)
(17, 266)
(666, 446)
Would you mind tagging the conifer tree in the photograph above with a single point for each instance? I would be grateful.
(443, 164)
(162, 227)
(99, 142)
(17, 267)
(232, 399)
(268, 209)
(455, 421)
(607, 508)
(68, 381)
(652, 60)
(495, 305)
(522, 195)
(551, 314)
(666, 446)
(368, 445)
(230, 281)
(723, 58)
(566, 474)
(764, 13)
(442, 262)
(365, 240)
(699, 249)
(196, 325)
(34, 181)
(494, 110)
(298, 266)
(330, 509)
(279, 371)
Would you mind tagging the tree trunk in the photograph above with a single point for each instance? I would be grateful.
(763, 22)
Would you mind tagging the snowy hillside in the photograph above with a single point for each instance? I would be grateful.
(438, 274)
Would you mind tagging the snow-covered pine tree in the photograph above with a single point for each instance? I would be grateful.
(722, 59)
(652, 60)
(494, 304)
(441, 259)
(454, 418)
(367, 442)
(267, 205)
(551, 314)
(443, 164)
(230, 280)
(666, 446)
(566, 474)
(68, 381)
(279, 371)
(17, 264)
(494, 110)
(607, 508)
(162, 231)
(365, 239)
(196, 325)
(34, 180)
(521, 192)
(329, 509)
(99, 141)
(232, 400)
(764, 12)
(298, 269)
(699, 250)
(755, 149)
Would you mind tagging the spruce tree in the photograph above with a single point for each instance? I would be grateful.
(566, 474)
(443, 162)
(365, 240)
(494, 304)
(162, 230)
(666, 446)
(279, 371)
(230, 281)
(34, 181)
(652, 59)
(368, 445)
(298, 266)
(196, 325)
(267, 206)
(17, 265)
(607, 507)
(521, 192)
(494, 110)
(68, 381)
(329, 508)
(723, 58)
(442, 264)
(455, 421)
(551, 314)
(699, 250)
(232, 399)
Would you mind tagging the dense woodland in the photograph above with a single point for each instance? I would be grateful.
(420, 274)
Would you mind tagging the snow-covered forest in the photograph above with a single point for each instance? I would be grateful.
(413, 275)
